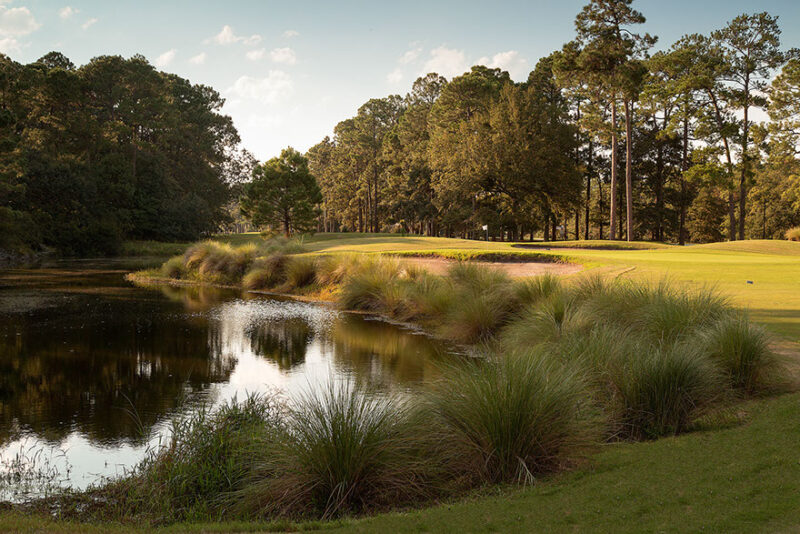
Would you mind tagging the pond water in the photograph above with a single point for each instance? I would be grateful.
(93, 368)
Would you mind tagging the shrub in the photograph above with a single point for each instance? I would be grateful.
(793, 234)
(510, 418)
(741, 350)
(343, 450)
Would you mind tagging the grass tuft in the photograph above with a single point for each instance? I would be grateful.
(510, 419)
(301, 271)
(741, 350)
(343, 450)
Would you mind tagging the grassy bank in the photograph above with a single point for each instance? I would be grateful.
(627, 403)
(567, 367)
(744, 478)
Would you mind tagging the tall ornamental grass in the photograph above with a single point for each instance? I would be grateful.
(510, 419)
(741, 350)
(342, 450)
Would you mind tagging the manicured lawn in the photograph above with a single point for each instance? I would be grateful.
(741, 479)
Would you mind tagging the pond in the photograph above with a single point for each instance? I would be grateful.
(93, 368)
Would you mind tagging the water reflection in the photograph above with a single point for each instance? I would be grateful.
(96, 367)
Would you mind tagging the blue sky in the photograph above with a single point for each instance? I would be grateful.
(291, 70)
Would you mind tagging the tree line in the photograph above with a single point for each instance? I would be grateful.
(109, 151)
(604, 139)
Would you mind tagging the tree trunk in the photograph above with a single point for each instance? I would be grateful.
(729, 161)
(613, 207)
(684, 168)
(588, 192)
(547, 227)
(628, 170)
(745, 163)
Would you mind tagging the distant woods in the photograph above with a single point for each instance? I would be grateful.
(109, 151)
(603, 140)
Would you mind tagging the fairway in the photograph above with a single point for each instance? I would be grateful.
(761, 276)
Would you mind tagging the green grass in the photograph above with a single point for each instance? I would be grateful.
(152, 248)
(745, 478)
(741, 479)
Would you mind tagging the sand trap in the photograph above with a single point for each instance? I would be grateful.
(516, 269)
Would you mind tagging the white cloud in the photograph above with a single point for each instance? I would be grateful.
(283, 55)
(291, 33)
(396, 76)
(17, 21)
(199, 59)
(9, 45)
(255, 55)
(276, 86)
(165, 59)
(510, 61)
(66, 12)
(410, 56)
(227, 36)
(446, 62)
(91, 22)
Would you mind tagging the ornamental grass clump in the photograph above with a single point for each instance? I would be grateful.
(510, 419)
(343, 450)
(741, 350)
(206, 458)
(483, 300)
(660, 390)
(547, 321)
(219, 262)
(374, 287)
(334, 269)
(537, 288)
(301, 271)
(268, 272)
(663, 311)
(174, 268)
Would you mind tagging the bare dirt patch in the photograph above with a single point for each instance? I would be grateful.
(516, 269)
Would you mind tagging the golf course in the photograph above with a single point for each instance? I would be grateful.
(737, 470)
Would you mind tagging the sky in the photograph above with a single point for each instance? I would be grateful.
(291, 70)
